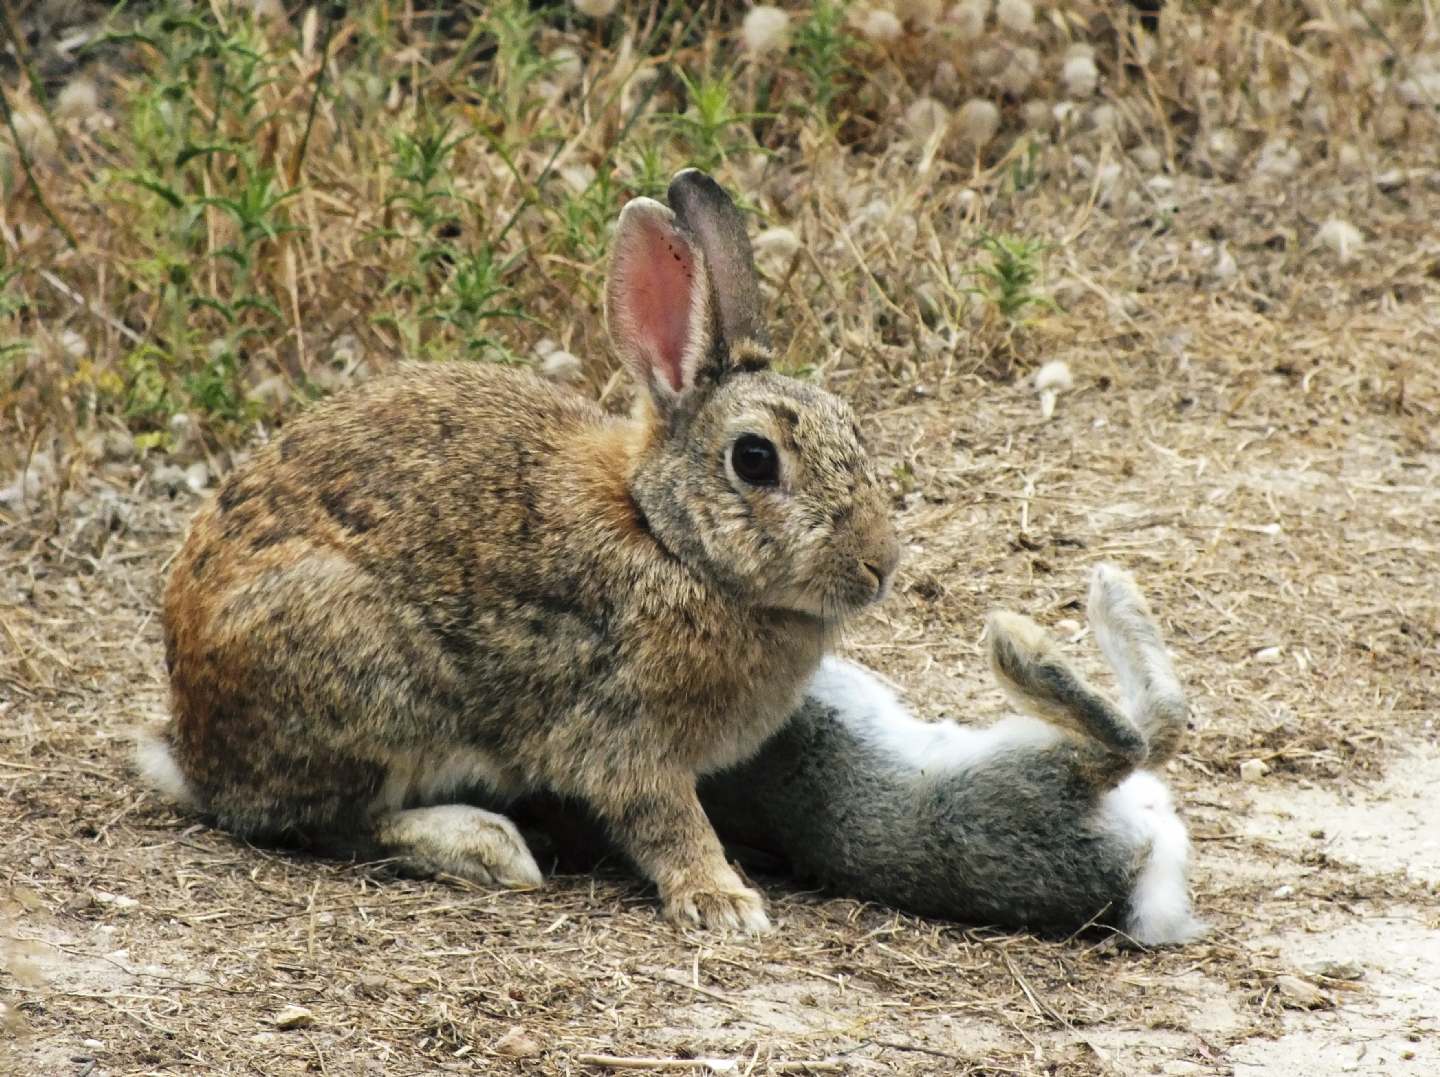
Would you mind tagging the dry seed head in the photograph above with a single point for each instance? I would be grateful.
(1277, 160)
(1147, 158)
(766, 29)
(561, 366)
(880, 26)
(1106, 178)
(1224, 268)
(872, 213)
(1104, 119)
(1017, 16)
(775, 246)
(1080, 76)
(968, 19)
(34, 133)
(1037, 115)
(1222, 146)
(595, 9)
(979, 120)
(273, 392)
(922, 15)
(1421, 91)
(578, 177)
(1160, 185)
(1349, 159)
(78, 100)
(924, 117)
(946, 80)
(1316, 118)
(1342, 237)
(988, 61)
(1390, 123)
(565, 66)
(1020, 72)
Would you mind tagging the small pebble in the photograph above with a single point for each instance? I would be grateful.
(1252, 770)
(1051, 380)
(1346, 971)
(517, 1043)
(1301, 994)
(1342, 237)
(294, 1017)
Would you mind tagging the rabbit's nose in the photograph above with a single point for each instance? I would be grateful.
(881, 570)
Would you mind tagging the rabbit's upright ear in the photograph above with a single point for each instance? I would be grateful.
(657, 301)
(708, 213)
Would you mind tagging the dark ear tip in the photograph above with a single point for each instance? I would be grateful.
(691, 183)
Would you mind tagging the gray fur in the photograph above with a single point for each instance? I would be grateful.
(1010, 842)
(1019, 825)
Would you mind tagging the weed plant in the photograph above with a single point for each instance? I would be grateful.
(254, 212)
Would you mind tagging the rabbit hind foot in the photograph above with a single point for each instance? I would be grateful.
(456, 839)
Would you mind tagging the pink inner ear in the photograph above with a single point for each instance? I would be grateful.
(657, 276)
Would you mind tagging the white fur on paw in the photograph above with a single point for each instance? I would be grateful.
(460, 840)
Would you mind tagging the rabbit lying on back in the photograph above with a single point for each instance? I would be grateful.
(1045, 822)
(460, 576)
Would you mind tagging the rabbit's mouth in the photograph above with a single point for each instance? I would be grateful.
(836, 601)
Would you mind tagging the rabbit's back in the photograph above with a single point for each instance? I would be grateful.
(400, 471)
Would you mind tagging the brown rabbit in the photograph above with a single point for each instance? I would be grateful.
(460, 576)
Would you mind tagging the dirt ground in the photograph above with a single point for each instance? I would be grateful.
(1252, 430)
(1289, 542)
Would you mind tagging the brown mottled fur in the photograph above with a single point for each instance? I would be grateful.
(463, 576)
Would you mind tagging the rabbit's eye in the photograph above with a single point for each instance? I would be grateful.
(755, 460)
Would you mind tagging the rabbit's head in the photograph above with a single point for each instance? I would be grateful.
(758, 480)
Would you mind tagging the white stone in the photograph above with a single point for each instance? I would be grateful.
(1252, 770)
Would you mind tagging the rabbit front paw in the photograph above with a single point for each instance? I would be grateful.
(718, 907)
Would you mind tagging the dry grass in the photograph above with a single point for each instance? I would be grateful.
(1252, 430)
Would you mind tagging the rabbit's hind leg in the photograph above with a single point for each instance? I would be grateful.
(457, 839)
(1034, 674)
(1130, 639)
